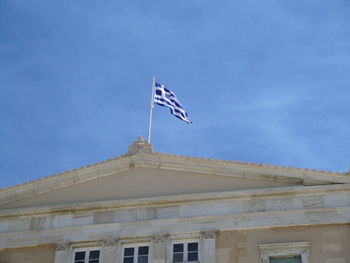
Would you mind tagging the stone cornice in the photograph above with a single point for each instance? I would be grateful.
(285, 250)
(208, 161)
(162, 201)
(175, 163)
(278, 247)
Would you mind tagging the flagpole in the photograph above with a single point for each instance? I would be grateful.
(151, 110)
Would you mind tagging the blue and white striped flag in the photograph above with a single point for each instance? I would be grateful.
(167, 98)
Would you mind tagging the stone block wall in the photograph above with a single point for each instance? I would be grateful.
(40, 254)
(328, 244)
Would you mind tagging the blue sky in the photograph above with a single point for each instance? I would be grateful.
(263, 81)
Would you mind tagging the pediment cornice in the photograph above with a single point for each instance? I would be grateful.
(141, 155)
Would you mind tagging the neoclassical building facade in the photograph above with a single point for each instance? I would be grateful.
(150, 207)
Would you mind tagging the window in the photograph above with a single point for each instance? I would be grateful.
(136, 254)
(297, 252)
(295, 259)
(185, 252)
(87, 256)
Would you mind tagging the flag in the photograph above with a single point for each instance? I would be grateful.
(167, 98)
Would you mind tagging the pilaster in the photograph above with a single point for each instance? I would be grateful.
(160, 242)
(110, 247)
(63, 251)
(208, 246)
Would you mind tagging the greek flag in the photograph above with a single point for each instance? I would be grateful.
(167, 98)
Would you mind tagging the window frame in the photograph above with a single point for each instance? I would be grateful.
(185, 242)
(136, 246)
(285, 250)
(87, 249)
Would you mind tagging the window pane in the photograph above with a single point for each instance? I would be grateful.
(142, 259)
(192, 256)
(129, 260)
(80, 255)
(93, 261)
(192, 247)
(129, 251)
(296, 259)
(143, 251)
(94, 254)
(178, 247)
(178, 257)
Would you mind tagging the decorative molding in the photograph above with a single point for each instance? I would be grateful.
(139, 146)
(158, 201)
(62, 246)
(158, 238)
(209, 234)
(285, 249)
(144, 229)
(109, 241)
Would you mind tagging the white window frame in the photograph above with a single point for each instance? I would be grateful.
(87, 252)
(136, 246)
(185, 242)
(281, 250)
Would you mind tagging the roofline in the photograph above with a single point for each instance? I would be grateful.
(170, 162)
(209, 160)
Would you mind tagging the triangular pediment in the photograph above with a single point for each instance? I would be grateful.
(147, 174)
(143, 182)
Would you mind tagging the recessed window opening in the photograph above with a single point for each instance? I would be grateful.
(289, 259)
(185, 252)
(136, 254)
(87, 256)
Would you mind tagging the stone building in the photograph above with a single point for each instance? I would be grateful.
(152, 207)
